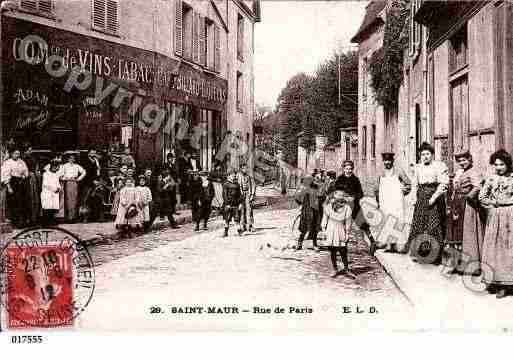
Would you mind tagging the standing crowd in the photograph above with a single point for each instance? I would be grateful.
(472, 217)
(102, 188)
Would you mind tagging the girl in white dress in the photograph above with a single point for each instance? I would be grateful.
(336, 223)
(129, 217)
(145, 193)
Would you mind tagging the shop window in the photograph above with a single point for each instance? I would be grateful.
(40, 7)
(240, 37)
(240, 91)
(364, 142)
(458, 53)
(105, 16)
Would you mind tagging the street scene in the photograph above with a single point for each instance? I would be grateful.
(205, 165)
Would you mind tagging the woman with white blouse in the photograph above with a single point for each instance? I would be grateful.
(14, 174)
(71, 173)
(428, 227)
(50, 193)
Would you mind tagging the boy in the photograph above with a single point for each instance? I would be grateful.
(232, 199)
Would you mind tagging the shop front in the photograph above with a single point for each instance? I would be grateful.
(123, 97)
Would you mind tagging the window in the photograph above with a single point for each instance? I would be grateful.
(217, 49)
(373, 141)
(187, 19)
(240, 91)
(364, 77)
(209, 44)
(105, 16)
(458, 53)
(41, 7)
(240, 37)
(415, 30)
(364, 142)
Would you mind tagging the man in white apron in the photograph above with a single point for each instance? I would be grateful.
(393, 185)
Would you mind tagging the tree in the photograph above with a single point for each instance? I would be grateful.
(310, 104)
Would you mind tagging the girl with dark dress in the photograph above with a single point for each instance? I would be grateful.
(427, 232)
(310, 221)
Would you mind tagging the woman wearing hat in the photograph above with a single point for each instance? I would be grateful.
(72, 173)
(468, 215)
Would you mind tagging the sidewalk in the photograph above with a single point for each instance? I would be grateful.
(105, 231)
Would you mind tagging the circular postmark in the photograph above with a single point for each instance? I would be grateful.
(47, 278)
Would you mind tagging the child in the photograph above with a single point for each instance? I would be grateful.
(202, 194)
(168, 198)
(309, 222)
(146, 198)
(119, 184)
(336, 223)
(129, 216)
(232, 199)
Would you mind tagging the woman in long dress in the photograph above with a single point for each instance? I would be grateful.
(336, 222)
(120, 183)
(468, 215)
(72, 174)
(50, 194)
(14, 173)
(427, 232)
(129, 217)
(496, 196)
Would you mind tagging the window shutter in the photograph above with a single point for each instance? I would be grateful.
(45, 6)
(99, 14)
(30, 5)
(195, 37)
(202, 41)
(112, 16)
(217, 49)
(241, 39)
(178, 28)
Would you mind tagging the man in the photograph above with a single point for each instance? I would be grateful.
(349, 183)
(232, 199)
(202, 193)
(92, 168)
(151, 182)
(248, 190)
(392, 186)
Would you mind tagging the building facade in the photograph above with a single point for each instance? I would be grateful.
(455, 89)
(155, 76)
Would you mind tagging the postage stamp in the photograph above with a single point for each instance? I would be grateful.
(46, 278)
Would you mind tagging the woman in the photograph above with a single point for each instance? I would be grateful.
(50, 193)
(120, 183)
(468, 215)
(72, 174)
(14, 173)
(427, 232)
(58, 159)
(496, 196)
(336, 222)
(4, 155)
(129, 217)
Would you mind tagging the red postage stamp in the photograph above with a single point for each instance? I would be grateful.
(47, 279)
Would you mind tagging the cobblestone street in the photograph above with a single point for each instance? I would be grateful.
(179, 268)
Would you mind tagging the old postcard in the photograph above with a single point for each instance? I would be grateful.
(257, 166)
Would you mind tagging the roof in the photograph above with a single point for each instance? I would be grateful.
(371, 17)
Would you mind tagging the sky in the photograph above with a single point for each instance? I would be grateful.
(296, 36)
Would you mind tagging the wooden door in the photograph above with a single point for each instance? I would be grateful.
(460, 115)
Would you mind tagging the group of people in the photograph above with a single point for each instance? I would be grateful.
(62, 190)
(473, 217)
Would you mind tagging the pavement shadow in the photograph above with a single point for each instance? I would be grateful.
(361, 270)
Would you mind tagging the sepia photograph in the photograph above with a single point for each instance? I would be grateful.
(230, 166)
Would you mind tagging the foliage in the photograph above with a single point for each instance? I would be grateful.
(386, 64)
(310, 104)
